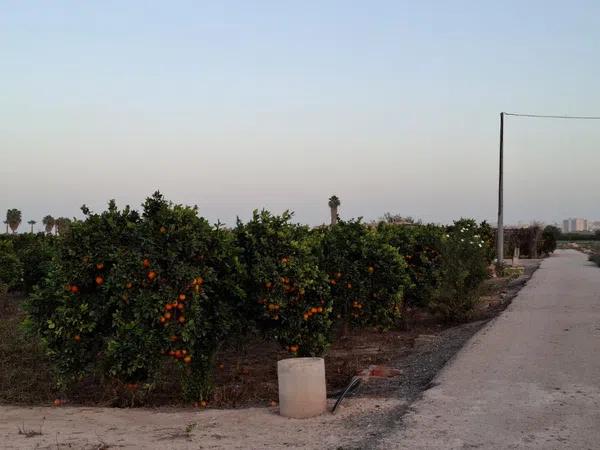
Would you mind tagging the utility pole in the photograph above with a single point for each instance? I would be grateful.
(500, 235)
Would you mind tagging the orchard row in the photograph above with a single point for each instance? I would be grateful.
(128, 292)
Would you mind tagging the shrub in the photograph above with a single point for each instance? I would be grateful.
(35, 251)
(366, 274)
(127, 292)
(465, 263)
(549, 237)
(421, 246)
(11, 269)
(288, 296)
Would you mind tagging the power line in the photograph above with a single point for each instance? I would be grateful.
(553, 117)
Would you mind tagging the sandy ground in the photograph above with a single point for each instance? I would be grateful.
(529, 379)
(254, 428)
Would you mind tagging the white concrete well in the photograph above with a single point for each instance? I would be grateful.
(302, 389)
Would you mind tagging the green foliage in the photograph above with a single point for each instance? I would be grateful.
(421, 246)
(288, 296)
(35, 252)
(465, 265)
(366, 274)
(11, 269)
(126, 292)
(127, 297)
(550, 235)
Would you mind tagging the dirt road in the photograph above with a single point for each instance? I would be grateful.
(529, 379)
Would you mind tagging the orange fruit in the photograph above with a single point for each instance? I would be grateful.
(333, 282)
(99, 280)
(181, 297)
(151, 275)
(320, 309)
(167, 316)
(168, 307)
(338, 275)
(163, 230)
(163, 320)
(100, 266)
(181, 319)
(74, 289)
(306, 316)
(146, 263)
(129, 285)
(349, 285)
(371, 269)
(77, 338)
(268, 285)
(187, 359)
(313, 310)
(180, 306)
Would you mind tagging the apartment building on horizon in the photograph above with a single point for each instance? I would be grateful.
(574, 225)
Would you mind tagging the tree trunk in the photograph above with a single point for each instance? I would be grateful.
(334, 215)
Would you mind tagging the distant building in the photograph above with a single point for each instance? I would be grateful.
(575, 225)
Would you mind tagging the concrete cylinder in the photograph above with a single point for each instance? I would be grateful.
(302, 389)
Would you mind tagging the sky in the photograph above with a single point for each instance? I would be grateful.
(235, 105)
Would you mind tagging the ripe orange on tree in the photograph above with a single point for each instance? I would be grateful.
(74, 289)
(100, 266)
(151, 275)
(146, 263)
(99, 280)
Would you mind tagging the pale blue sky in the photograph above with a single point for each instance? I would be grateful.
(236, 105)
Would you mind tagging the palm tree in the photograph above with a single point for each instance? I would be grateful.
(62, 225)
(13, 217)
(49, 223)
(32, 223)
(334, 202)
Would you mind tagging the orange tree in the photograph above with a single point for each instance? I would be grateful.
(288, 295)
(367, 275)
(129, 291)
(421, 246)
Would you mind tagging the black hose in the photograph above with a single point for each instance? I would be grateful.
(349, 389)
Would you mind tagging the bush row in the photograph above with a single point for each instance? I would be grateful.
(128, 294)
